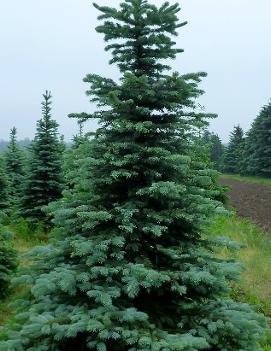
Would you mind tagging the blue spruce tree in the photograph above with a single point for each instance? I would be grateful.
(128, 268)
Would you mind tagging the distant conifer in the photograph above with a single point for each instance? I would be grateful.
(74, 156)
(216, 149)
(44, 175)
(14, 161)
(234, 151)
(257, 150)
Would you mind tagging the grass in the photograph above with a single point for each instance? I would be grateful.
(257, 180)
(256, 256)
(23, 242)
(255, 283)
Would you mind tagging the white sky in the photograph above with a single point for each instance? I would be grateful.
(52, 45)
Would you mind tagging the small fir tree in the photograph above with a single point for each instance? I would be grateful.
(234, 151)
(79, 138)
(206, 158)
(75, 155)
(217, 152)
(247, 166)
(216, 149)
(263, 146)
(44, 177)
(14, 161)
(130, 269)
(62, 144)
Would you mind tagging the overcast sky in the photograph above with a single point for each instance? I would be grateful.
(52, 44)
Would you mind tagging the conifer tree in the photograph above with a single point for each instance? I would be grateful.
(247, 167)
(128, 268)
(14, 161)
(44, 178)
(216, 149)
(263, 143)
(217, 152)
(80, 137)
(79, 150)
(62, 144)
(257, 153)
(249, 149)
(204, 153)
(233, 153)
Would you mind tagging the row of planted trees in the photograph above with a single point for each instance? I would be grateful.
(246, 154)
(29, 180)
(130, 265)
(33, 177)
(250, 154)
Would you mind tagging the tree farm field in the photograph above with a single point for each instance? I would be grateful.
(124, 236)
(251, 197)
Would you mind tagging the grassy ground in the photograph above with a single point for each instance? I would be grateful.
(255, 284)
(256, 280)
(23, 242)
(258, 180)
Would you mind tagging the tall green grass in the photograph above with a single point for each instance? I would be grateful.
(254, 286)
(256, 256)
(24, 239)
(257, 180)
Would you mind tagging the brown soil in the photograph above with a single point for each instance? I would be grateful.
(250, 201)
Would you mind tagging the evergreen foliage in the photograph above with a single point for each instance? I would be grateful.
(62, 144)
(216, 149)
(44, 177)
(257, 152)
(14, 161)
(80, 137)
(217, 152)
(203, 156)
(234, 152)
(4, 193)
(128, 268)
(246, 166)
(8, 263)
(22, 143)
(74, 156)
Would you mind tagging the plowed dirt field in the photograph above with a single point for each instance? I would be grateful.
(250, 201)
